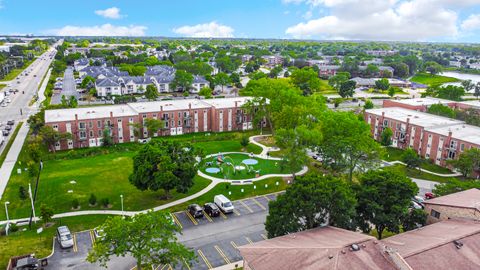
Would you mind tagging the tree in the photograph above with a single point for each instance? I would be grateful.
(107, 139)
(183, 80)
(46, 213)
(400, 69)
(151, 93)
(151, 238)
(391, 91)
(153, 125)
(386, 137)
(306, 79)
(371, 70)
(411, 158)
(468, 85)
(72, 102)
(311, 201)
(347, 143)
(205, 92)
(91, 94)
(384, 197)
(368, 104)
(468, 162)
(454, 185)
(92, 200)
(415, 218)
(222, 79)
(476, 91)
(164, 165)
(442, 110)
(451, 92)
(433, 67)
(88, 82)
(382, 84)
(51, 136)
(244, 141)
(347, 89)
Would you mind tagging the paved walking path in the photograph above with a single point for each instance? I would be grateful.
(427, 171)
(265, 149)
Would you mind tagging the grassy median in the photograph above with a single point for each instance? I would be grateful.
(3, 156)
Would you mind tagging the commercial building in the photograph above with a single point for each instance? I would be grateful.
(464, 204)
(179, 116)
(433, 137)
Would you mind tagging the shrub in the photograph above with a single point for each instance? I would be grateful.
(46, 213)
(75, 204)
(12, 227)
(104, 202)
(92, 200)
(22, 193)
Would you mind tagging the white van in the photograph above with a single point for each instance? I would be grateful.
(223, 203)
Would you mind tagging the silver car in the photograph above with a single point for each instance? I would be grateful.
(64, 237)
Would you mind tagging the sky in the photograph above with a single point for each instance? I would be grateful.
(383, 20)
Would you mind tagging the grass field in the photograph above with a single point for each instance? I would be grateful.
(263, 165)
(2, 86)
(432, 80)
(14, 72)
(392, 154)
(414, 173)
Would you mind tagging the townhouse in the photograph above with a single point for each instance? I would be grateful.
(179, 117)
(433, 137)
(272, 60)
(328, 70)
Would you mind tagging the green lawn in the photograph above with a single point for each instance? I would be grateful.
(264, 166)
(414, 173)
(14, 72)
(2, 86)
(392, 154)
(432, 80)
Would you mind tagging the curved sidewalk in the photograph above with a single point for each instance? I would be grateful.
(423, 170)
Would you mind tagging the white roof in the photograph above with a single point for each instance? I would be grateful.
(168, 105)
(427, 101)
(421, 119)
(88, 113)
(466, 133)
(472, 103)
(220, 103)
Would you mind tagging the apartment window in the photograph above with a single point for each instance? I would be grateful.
(99, 124)
(83, 135)
(144, 116)
(453, 144)
(130, 120)
(154, 115)
(81, 125)
(435, 214)
(55, 127)
(173, 123)
(462, 147)
(385, 123)
(100, 133)
(185, 114)
(119, 120)
(179, 114)
(91, 133)
(398, 125)
(179, 123)
(90, 124)
(166, 124)
(108, 123)
(451, 154)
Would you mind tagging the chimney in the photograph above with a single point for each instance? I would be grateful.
(189, 106)
(111, 114)
(408, 120)
(76, 117)
(161, 108)
(236, 104)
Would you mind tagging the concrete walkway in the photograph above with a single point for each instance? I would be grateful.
(423, 170)
(265, 149)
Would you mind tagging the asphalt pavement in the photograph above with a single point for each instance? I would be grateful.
(69, 87)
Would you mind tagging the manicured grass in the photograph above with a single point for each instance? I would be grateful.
(414, 173)
(236, 191)
(2, 86)
(21, 243)
(3, 156)
(392, 154)
(263, 165)
(14, 72)
(432, 80)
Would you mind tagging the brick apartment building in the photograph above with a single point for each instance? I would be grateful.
(180, 116)
(422, 104)
(433, 137)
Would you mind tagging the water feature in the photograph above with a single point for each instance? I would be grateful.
(250, 161)
(212, 170)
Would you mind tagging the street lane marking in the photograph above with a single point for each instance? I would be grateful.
(263, 236)
(246, 206)
(236, 212)
(233, 245)
(75, 248)
(220, 251)
(207, 216)
(266, 197)
(223, 215)
(175, 219)
(259, 204)
(204, 259)
(186, 264)
(191, 218)
(248, 239)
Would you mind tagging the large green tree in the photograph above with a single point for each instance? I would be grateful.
(384, 198)
(347, 89)
(468, 162)
(306, 79)
(150, 238)
(442, 110)
(151, 93)
(311, 201)
(183, 80)
(222, 79)
(50, 136)
(386, 137)
(164, 165)
(153, 125)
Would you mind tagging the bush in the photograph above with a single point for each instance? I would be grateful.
(105, 202)
(75, 204)
(92, 200)
(12, 227)
(22, 193)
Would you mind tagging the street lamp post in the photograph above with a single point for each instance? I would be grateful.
(121, 200)
(8, 219)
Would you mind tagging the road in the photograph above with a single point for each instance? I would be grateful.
(68, 89)
(214, 240)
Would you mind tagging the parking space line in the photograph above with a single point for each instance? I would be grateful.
(223, 215)
(92, 237)
(249, 241)
(233, 245)
(204, 259)
(220, 251)
(246, 206)
(75, 248)
(191, 218)
(175, 219)
(207, 216)
(259, 204)
(263, 236)
(236, 212)
(266, 197)
(186, 264)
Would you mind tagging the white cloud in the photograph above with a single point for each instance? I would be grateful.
(307, 15)
(381, 19)
(99, 30)
(471, 23)
(205, 30)
(109, 13)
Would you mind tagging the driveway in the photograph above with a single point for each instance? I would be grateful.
(69, 87)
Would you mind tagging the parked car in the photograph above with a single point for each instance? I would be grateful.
(4, 104)
(8, 100)
(419, 199)
(429, 196)
(223, 203)
(27, 263)
(64, 237)
(211, 209)
(415, 205)
(98, 233)
(8, 127)
(11, 122)
(195, 210)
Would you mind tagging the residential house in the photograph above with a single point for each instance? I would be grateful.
(463, 204)
(327, 70)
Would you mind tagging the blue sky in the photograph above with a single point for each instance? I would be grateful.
(412, 20)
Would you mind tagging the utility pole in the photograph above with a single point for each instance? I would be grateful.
(35, 194)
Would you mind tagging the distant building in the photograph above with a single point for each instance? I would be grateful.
(327, 70)
(370, 82)
(417, 104)
(463, 204)
(381, 52)
(246, 58)
(273, 60)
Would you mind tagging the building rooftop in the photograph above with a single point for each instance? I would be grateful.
(88, 113)
(472, 103)
(168, 105)
(433, 246)
(427, 101)
(421, 119)
(467, 133)
(464, 199)
(320, 248)
(220, 103)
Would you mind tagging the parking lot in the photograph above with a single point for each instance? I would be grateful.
(214, 240)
